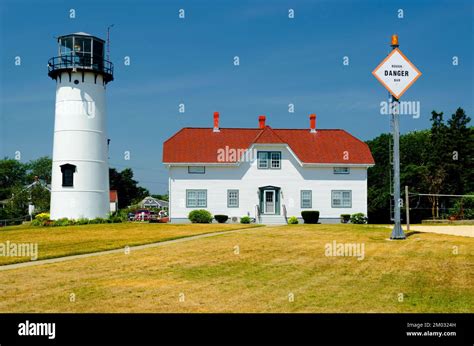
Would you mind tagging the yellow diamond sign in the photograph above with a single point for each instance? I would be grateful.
(396, 73)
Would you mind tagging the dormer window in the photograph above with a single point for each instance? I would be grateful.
(68, 171)
(269, 159)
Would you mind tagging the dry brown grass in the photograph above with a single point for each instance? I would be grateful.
(74, 240)
(273, 263)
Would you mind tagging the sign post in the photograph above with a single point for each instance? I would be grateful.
(397, 74)
(407, 207)
(397, 231)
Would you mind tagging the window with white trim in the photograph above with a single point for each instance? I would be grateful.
(306, 199)
(341, 199)
(232, 198)
(262, 160)
(196, 198)
(275, 159)
(269, 159)
(342, 170)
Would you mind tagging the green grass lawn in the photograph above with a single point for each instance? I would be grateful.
(73, 240)
(269, 269)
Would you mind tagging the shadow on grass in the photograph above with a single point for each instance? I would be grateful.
(410, 233)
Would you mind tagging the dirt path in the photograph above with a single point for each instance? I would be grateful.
(461, 230)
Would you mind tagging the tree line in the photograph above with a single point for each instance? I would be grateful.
(438, 160)
(16, 191)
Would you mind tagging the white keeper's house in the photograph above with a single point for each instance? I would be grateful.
(265, 173)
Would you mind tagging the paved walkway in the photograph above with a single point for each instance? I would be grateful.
(120, 250)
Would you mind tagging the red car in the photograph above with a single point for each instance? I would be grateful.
(143, 215)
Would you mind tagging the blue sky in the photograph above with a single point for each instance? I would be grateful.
(190, 61)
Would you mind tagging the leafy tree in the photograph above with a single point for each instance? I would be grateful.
(17, 205)
(12, 173)
(40, 168)
(16, 176)
(379, 180)
(161, 197)
(127, 188)
(460, 154)
(438, 160)
(464, 207)
(436, 171)
(40, 198)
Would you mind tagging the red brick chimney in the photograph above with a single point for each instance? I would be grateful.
(312, 123)
(216, 122)
(261, 121)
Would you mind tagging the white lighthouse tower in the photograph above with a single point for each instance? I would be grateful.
(80, 173)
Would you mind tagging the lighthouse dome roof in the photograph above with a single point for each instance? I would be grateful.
(82, 33)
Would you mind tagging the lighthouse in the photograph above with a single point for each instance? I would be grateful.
(80, 172)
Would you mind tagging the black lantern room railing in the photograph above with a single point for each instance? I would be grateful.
(81, 62)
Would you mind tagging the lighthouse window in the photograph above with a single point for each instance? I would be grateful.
(68, 174)
(82, 45)
(66, 46)
(97, 56)
(98, 49)
(83, 51)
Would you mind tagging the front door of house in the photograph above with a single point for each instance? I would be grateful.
(269, 201)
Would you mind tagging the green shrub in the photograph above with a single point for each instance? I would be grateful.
(115, 219)
(36, 222)
(122, 214)
(358, 218)
(98, 220)
(42, 217)
(245, 219)
(131, 209)
(61, 222)
(293, 220)
(82, 221)
(200, 216)
(345, 218)
(221, 218)
(463, 207)
(310, 216)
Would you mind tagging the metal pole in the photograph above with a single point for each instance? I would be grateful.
(108, 41)
(397, 232)
(407, 207)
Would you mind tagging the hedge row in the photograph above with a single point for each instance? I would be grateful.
(40, 221)
(203, 216)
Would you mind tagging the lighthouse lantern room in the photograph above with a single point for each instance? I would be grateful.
(80, 172)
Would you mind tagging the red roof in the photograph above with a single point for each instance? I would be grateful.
(113, 196)
(202, 145)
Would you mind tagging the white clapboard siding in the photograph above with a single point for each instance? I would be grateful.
(247, 178)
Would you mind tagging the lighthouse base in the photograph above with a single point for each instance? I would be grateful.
(79, 204)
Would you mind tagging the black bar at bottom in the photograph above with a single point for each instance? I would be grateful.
(222, 329)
